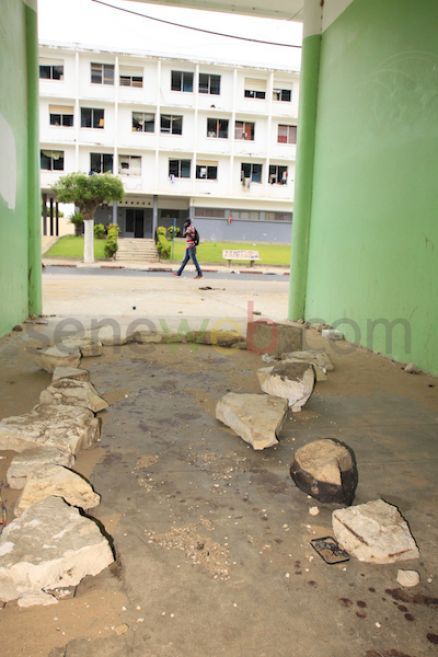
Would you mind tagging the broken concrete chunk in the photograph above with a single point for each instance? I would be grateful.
(70, 373)
(147, 337)
(408, 578)
(319, 359)
(375, 532)
(40, 599)
(77, 393)
(91, 348)
(27, 462)
(68, 428)
(274, 337)
(50, 546)
(326, 470)
(411, 368)
(291, 381)
(220, 338)
(332, 334)
(257, 419)
(51, 357)
(55, 480)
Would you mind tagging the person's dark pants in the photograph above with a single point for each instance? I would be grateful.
(190, 253)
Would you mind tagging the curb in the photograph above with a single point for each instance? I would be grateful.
(207, 270)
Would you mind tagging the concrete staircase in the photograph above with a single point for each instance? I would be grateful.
(136, 250)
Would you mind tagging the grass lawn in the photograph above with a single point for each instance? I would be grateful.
(211, 252)
(71, 246)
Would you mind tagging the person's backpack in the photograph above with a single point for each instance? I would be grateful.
(197, 240)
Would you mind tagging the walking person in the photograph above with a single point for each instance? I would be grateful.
(192, 241)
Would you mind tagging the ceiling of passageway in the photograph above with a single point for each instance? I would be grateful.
(286, 9)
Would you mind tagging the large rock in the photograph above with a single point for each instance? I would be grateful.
(87, 345)
(68, 428)
(375, 532)
(70, 373)
(319, 359)
(257, 419)
(215, 337)
(50, 546)
(27, 462)
(147, 337)
(326, 469)
(291, 381)
(59, 356)
(265, 337)
(55, 480)
(77, 393)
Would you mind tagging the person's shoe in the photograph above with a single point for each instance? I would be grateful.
(174, 273)
(198, 276)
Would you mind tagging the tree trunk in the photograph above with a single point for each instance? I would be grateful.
(88, 241)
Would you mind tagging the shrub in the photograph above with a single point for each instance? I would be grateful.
(173, 231)
(99, 231)
(163, 244)
(78, 221)
(111, 245)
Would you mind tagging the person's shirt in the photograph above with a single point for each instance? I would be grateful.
(190, 236)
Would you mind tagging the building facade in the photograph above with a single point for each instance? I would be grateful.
(187, 138)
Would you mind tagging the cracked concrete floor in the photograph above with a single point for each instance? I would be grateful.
(212, 538)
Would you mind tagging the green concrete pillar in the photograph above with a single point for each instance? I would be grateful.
(33, 165)
(310, 64)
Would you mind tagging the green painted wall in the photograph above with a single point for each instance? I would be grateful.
(374, 223)
(20, 271)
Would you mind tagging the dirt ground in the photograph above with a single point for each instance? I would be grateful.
(212, 538)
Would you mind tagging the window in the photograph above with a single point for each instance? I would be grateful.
(244, 130)
(92, 117)
(211, 213)
(143, 122)
(130, 165)
(101, 163)
(61, 115)
(171, 124)
(181, 81)
(209, 84)
(179, 169)
(287, 134)
(52, 71)
(206, 170)
(52, 160)
(278, 216)
(255, 88)
(278, 174)
(217, 128)
(102, 73)
(246, 215)
(131, 77)
(251, 171)
(283, 95)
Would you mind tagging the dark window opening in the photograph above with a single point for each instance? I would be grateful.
(251, 171)
(171, 124)
(92, 117)
(102, 73)
(181, 81)
(101, 162)
(282, 95)
(217, 128)
(143, 122)
(51, 71)
(250, 93)
(179, 168)
(278, 174)
(52, 160)
(209, 84)
(206, 171)
(244, 130)
(131, 81)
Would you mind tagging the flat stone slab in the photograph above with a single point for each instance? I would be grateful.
(77, 393)
(292, 381)
(70, 373)
(51, 357)
(319, 359)
(257, 419)
(68, 428)
(265, 337)
(50, 546)
(55, 480)
(88, 345)
(375, 532)
(326, 470)
(29, 461)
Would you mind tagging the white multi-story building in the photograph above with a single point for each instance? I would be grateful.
(188, 138)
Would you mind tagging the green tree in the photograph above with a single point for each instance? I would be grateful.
(88, 193)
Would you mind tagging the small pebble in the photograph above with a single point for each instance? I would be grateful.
(314, 511)
(377, 624)
(408, 578)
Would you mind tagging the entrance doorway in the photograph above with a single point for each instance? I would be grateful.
(135, 222)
